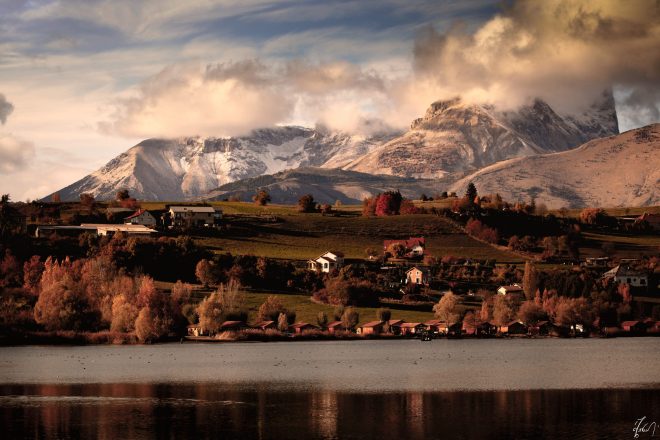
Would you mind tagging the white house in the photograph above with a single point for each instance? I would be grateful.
(326, 262)
(514, 290)
(194, 216)
(141, 217)
(628, 275)
(416, 275)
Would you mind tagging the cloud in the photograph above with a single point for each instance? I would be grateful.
(6, 108)
(565, 52)
(15, 153)
(231, 99)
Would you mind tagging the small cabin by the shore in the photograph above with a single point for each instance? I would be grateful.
(633, 327)
(300, 327)
(335, 326)
(412, 328)
(514, 328)
(371, 328)
(395, 326)
(232, 326)
(265, 325)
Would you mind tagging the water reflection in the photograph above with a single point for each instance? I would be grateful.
(211, 410)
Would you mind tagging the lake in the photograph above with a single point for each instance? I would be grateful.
(463, 389)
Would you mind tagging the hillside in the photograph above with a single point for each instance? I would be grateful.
(621, 170)
(326, 185)
(454, 138)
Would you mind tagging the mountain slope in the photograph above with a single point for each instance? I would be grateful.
(454, 138)
(621, 170)
(176, 169)
(326, 185)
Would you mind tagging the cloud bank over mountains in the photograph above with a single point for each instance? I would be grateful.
(565, 52)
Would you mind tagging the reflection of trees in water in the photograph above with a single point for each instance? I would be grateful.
(220, 411)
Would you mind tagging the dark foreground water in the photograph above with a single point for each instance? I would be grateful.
(522, 389)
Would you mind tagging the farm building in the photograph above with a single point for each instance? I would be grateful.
(141, 217)
(628, 275)
(98, 229)
(194, 216)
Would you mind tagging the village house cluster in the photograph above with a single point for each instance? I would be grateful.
(433, 328)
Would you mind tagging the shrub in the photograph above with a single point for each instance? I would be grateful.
(306, 203)
(261, 198)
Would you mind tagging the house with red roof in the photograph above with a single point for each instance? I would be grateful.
(371, 328)
(412, 328)
(335, 326)
(300, 327)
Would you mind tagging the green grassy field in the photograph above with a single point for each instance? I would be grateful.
(303, 236)
(623, 246)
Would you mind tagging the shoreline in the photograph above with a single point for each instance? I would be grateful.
(112, 338)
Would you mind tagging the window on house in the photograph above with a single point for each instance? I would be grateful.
(642, 281)
(629, 281)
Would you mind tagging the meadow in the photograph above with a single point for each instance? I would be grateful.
(296, 236)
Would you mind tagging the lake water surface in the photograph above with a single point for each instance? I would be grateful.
(464, 389)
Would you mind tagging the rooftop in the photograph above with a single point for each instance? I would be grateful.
(201, 209)
(372, 324)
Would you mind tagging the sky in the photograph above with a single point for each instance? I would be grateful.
(83, 80)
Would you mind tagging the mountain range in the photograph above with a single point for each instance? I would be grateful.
(454, 139)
